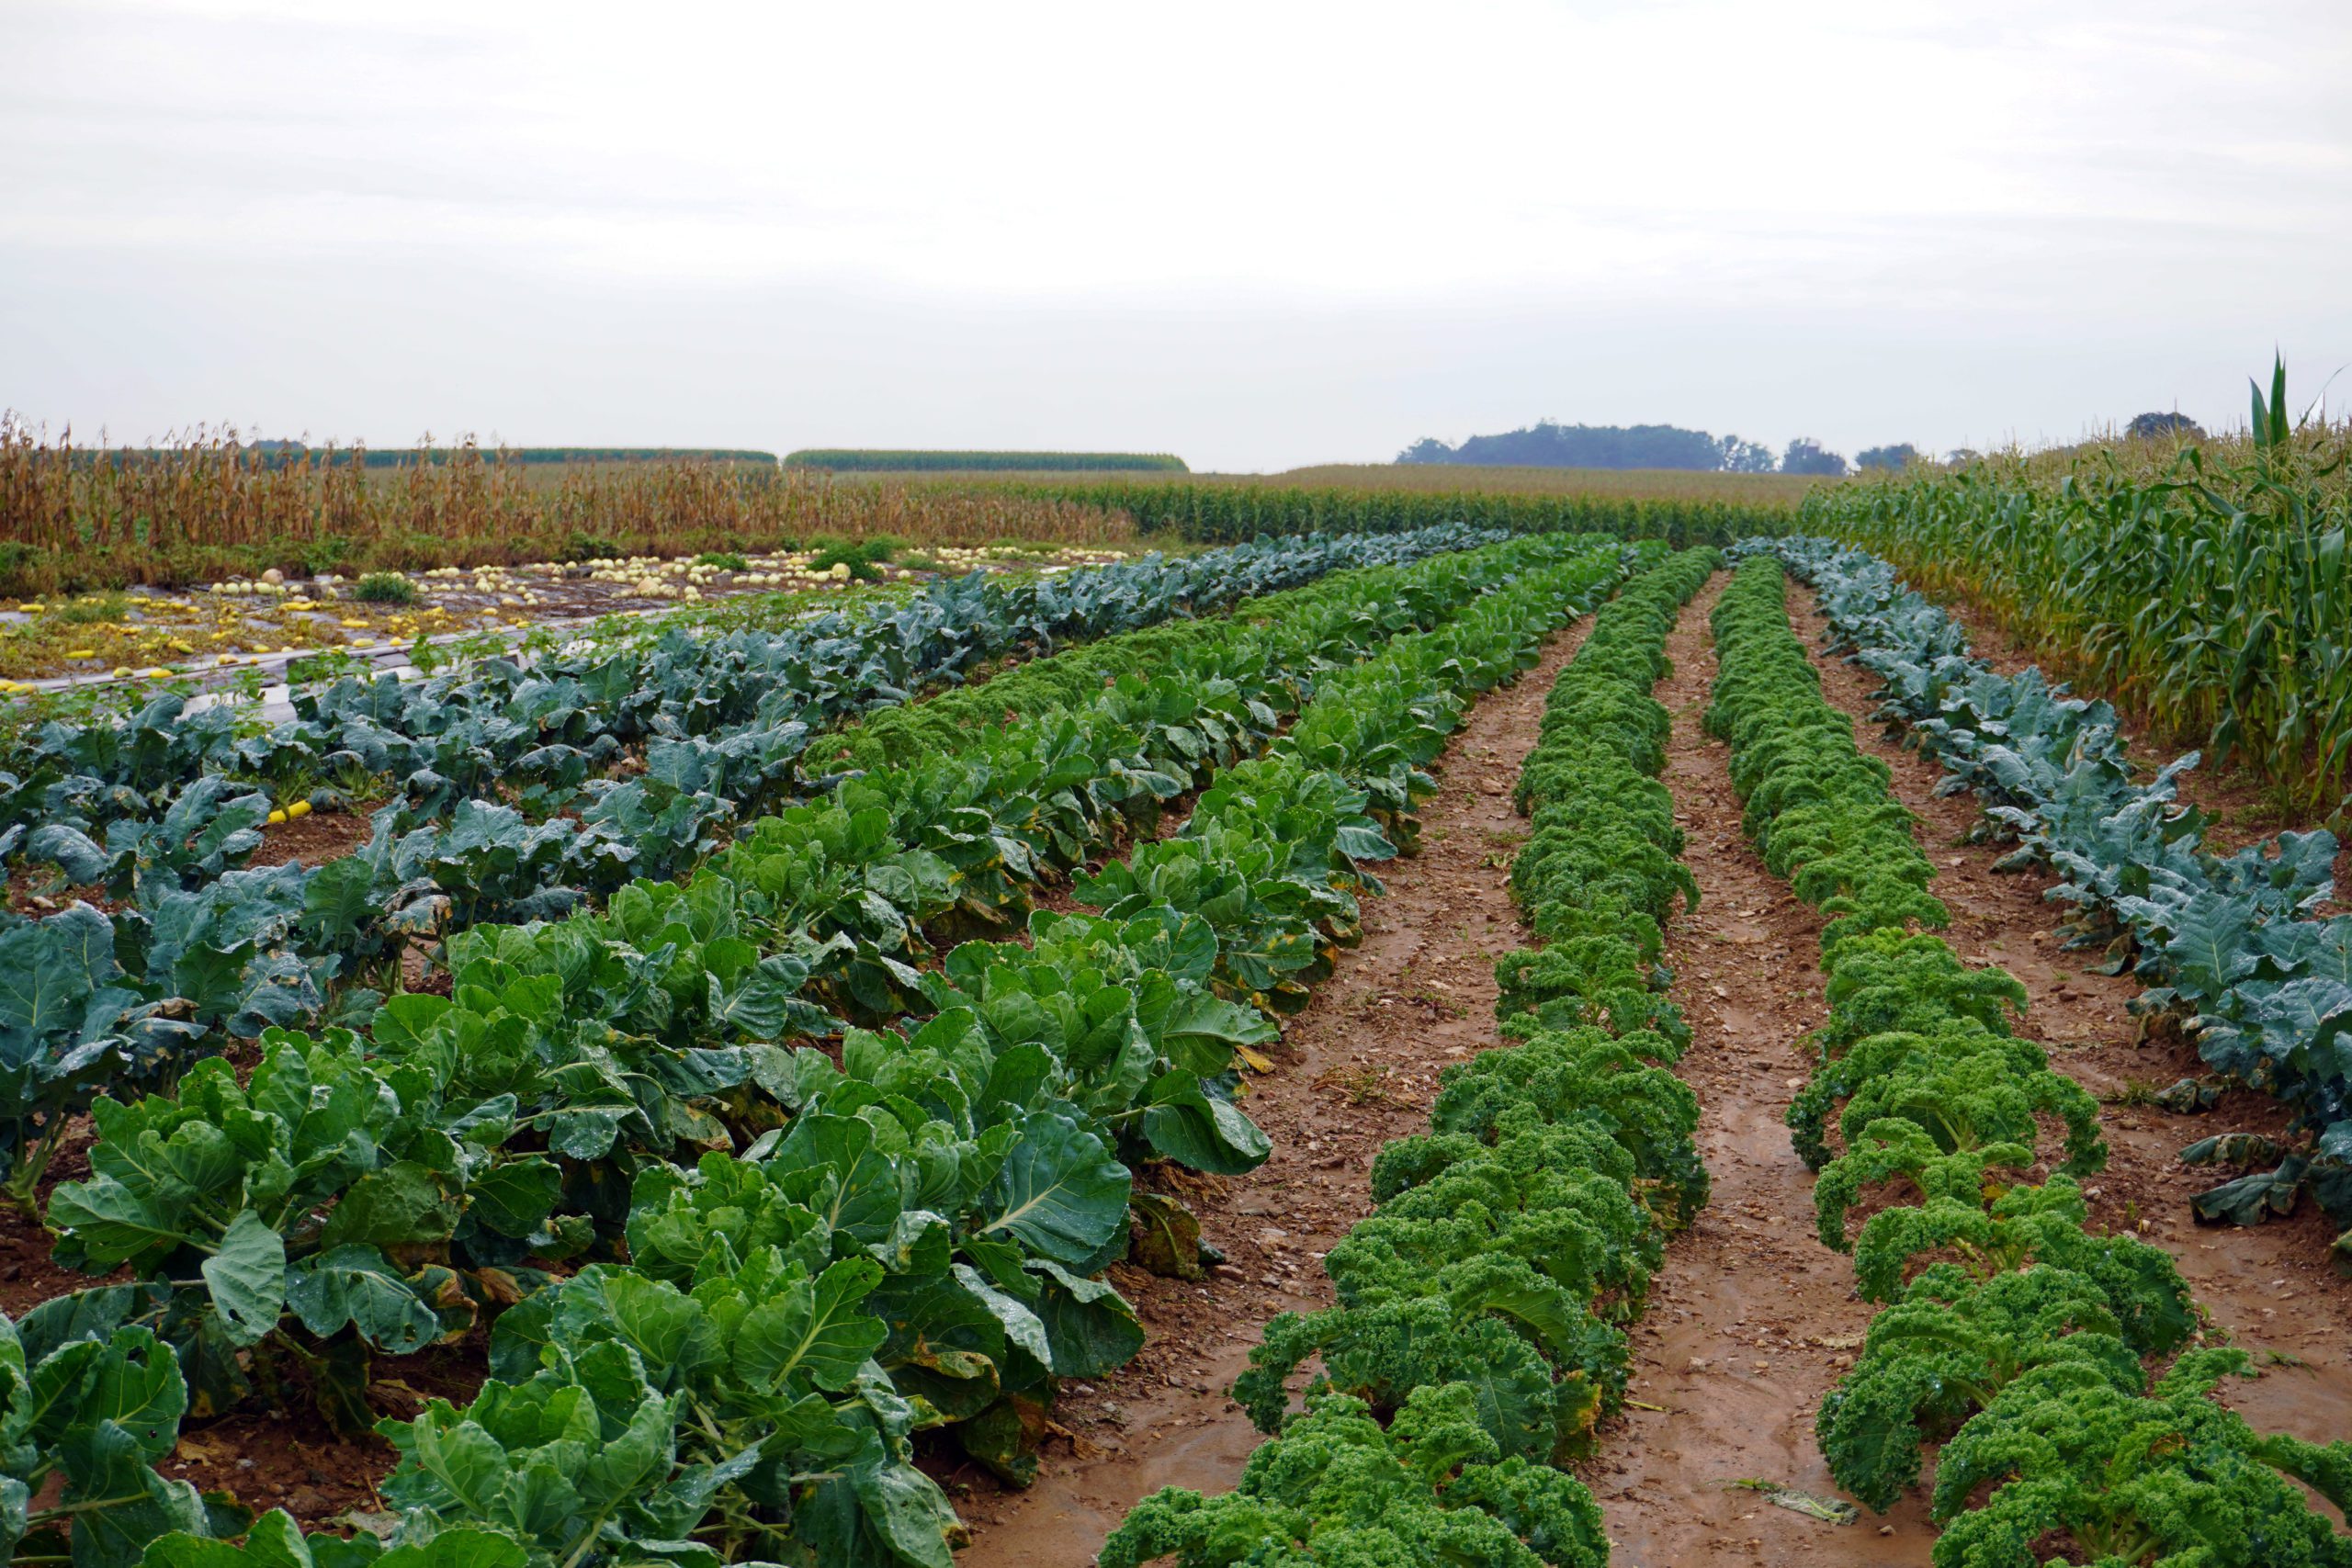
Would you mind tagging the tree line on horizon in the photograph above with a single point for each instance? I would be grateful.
(1548, 444)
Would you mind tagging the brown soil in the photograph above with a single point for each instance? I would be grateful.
(2270, 1287)
(1354, 1070)
(1752, 1319)
(27, 1276)
(37, 891)
(314, 839)
(291, 1459)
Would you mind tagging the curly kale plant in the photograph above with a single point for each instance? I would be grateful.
(1556, 1196)
(1817, 807)
(1337, 1491)
(1944, 1351)
(2025, 1226)
(2175, 1478)
(1585, 1075)
(1891, 981)
(1543, 1367)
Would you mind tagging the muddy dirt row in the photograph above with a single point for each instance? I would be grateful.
(1356, 1067)
(1752, 1320)
(2271, 1286)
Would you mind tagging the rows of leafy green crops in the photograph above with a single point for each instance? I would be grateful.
(2228, 940)
(1222, 512)
(717, 719)
(2029, 1349)
(522, 793)
(1479, 1330)
(899, 1236)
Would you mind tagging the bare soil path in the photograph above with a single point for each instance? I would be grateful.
(1355, 1069)
(1751, 1319)
(2271, 1287)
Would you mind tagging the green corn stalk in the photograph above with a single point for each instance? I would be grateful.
(2208, 592)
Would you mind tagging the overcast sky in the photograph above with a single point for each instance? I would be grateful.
(1256, 234)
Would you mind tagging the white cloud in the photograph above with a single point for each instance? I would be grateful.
(1931, 221)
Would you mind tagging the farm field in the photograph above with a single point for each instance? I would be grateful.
(1651, 484)
(1437, 1040)
(1224, 510)
(515, 794)
(1449, 478)
(1366, 613)
(75, 519)
(2201, 587)
(850, 460)
(898, 907)
(206, 633)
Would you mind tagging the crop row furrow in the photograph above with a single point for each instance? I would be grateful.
(2015, 1341)
(1478, 1334)
(909, 1233)
(202, 952)
(2228, 944)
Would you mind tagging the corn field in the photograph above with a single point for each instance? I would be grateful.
(1226, 511)
(202, 506)
(1641, 484)
(2206, 590)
